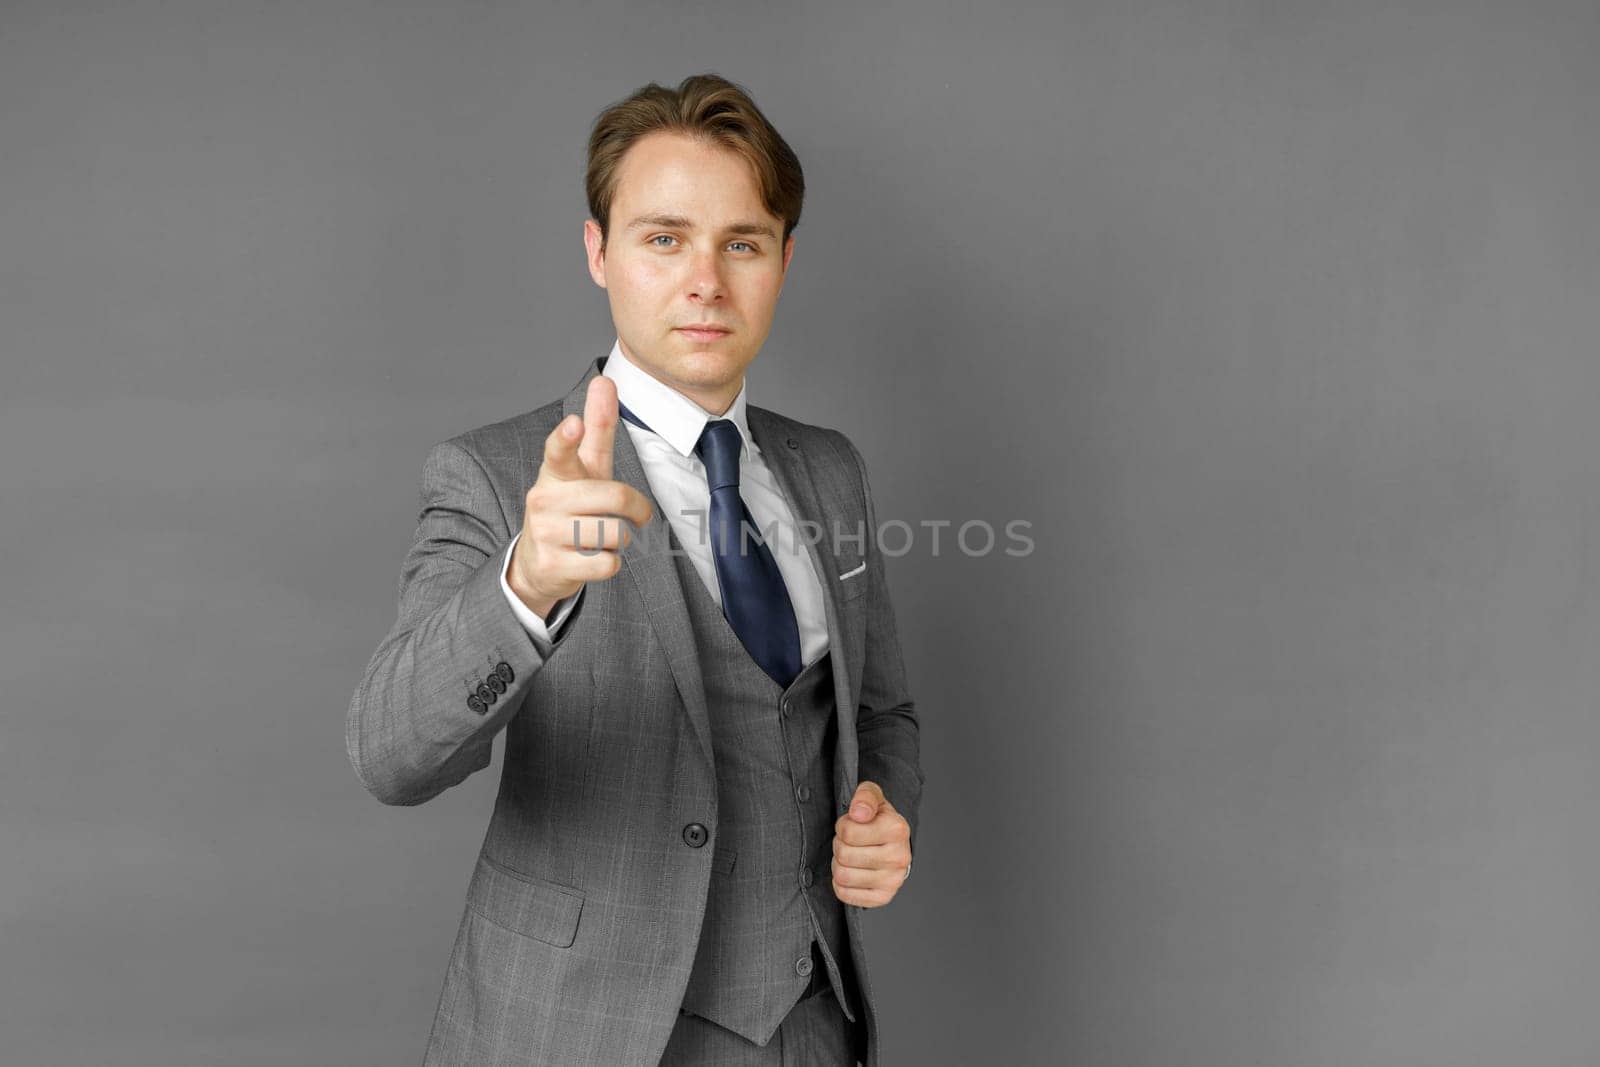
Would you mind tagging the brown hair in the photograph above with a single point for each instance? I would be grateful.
(709, 108)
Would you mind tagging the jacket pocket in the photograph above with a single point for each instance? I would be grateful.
(524, 904)
(856, 583)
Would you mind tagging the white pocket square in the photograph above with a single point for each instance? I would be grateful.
(853, 571)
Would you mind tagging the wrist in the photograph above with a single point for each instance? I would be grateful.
(536, 602)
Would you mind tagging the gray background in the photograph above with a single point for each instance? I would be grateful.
(1277, 320)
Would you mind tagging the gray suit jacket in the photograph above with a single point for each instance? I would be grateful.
(585, 905)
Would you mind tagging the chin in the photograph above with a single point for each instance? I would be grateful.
(708, 369)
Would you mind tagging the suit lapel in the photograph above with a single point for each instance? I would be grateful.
(647, 562)
(791, 469)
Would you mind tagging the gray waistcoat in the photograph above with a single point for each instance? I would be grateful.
(770, 896)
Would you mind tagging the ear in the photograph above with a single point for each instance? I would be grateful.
(788, 250)
(596, 255)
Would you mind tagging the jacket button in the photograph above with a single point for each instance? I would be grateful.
(802, 966)
(494, 682)
(804, 792)
(503, 671)
(477, 705)
(487, 695)
(694, 835)
(787, 708)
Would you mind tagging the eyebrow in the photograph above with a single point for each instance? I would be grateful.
(678, 222)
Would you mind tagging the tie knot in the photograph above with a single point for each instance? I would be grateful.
(718, 449)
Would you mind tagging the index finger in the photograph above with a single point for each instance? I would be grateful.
(886, 828)
(599, 426)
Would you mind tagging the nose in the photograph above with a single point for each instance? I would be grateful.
(705, 276)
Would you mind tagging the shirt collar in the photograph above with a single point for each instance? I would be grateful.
(670, 415)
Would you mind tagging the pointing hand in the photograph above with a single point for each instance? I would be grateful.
(572, 517)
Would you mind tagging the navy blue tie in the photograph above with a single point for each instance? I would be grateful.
(754, 599)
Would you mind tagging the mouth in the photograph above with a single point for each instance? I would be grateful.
(705, 332)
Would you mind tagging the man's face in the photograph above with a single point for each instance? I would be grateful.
(691, 243)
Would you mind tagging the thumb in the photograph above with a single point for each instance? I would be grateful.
(561, 459)
(865, 804)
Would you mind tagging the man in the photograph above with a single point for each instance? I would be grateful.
(711, 758)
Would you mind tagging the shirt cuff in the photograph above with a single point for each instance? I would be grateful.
(542, 633)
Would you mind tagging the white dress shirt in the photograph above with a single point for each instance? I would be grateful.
(678, 481)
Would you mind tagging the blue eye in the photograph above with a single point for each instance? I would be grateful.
(659, 236)
(747, 244)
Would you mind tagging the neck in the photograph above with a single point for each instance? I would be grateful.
(716, 401)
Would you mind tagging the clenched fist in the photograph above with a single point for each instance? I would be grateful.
(572, 518)
(871, 849)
